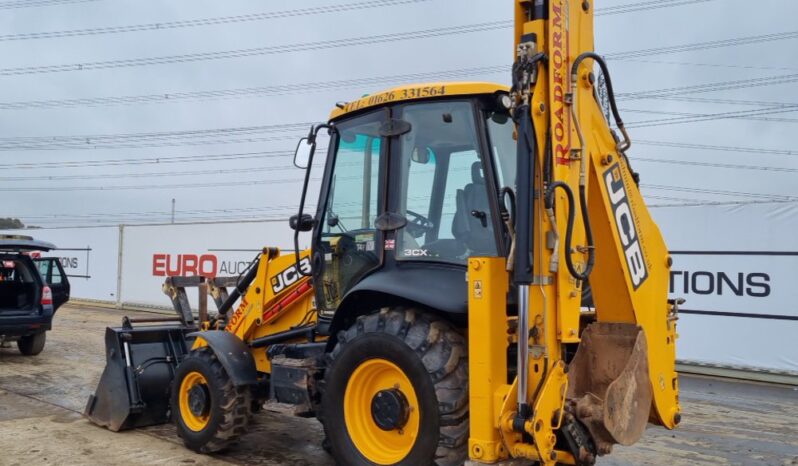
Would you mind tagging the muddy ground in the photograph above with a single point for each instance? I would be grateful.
(41, 398)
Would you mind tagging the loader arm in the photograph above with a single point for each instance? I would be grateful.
(278, 302)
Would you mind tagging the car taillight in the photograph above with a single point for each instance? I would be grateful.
(47, 296)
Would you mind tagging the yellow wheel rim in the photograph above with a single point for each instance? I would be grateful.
(377, 445)
(192, 421)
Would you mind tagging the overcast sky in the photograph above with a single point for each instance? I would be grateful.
(27, 74)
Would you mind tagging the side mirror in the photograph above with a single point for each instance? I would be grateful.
(304, 152)
(305, 224)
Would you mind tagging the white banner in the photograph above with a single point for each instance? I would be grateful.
(736, 267)
(152, 253)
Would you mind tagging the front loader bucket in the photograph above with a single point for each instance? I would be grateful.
(140, 365)
(608, 384)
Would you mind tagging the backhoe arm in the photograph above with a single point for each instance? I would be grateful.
(581, 218)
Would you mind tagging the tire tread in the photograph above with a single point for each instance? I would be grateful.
(235, 406)
(442, 350)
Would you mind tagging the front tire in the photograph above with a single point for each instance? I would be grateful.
(396, 392)
(32, 345)
(210, 413)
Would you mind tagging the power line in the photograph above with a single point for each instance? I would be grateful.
(370, 40)
(105, 176)
(158, 160)
(708, 100)
(100, 138)
(134, 140)
(713, 44)
(644, 6)
(669, 198)
(709, 87)
(276, 90)
(258, 51)
(38, 3)
(169, 97)
(240, 184)
(706, 147)
(686, 189)
(198, 142)
(710, 65)
(287, 89)
(742, 114)
(10, 143)
(716, 165)
(157, 139)
(166, 25)
(98, 223)
(721, 203)
(155, 212)
(145, 161)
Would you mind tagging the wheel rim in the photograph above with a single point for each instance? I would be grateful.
(194, 417)
(373, 378)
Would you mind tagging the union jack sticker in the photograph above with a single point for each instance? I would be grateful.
(390, 244)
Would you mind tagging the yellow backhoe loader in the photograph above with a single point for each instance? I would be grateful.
(438, 316)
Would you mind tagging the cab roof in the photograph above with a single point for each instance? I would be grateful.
(19, 243)
(416, 92)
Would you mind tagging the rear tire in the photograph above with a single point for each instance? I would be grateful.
(420, 356)
(222, 414)
(32, 345)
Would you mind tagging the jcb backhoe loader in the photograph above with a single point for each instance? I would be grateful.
(437, 317)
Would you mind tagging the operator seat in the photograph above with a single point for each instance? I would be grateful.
(472, 203)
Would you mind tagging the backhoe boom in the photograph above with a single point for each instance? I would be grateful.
(580, 221)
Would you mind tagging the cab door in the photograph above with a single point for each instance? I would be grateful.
(347, 244)
(442, 187)
(54, 276)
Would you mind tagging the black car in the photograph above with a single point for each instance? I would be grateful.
(32, 288)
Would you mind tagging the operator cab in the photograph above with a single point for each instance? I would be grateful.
(413, 185)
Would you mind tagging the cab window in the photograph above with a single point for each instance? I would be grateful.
(443, 193)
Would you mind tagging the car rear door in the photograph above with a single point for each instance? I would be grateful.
(54, 276)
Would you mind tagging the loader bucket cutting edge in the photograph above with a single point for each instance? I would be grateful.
(134, 387)
(609, 389)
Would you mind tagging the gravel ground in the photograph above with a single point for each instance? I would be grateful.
(41, 398)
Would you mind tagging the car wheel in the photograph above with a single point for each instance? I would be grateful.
(32, 345)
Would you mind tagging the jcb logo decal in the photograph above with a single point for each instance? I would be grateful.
(625, 225)
(289, 276)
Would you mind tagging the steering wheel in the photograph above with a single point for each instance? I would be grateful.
(417, 224)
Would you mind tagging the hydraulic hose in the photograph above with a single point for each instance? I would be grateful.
(626, 143)
(549, 203)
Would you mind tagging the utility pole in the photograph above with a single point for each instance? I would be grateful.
(173, 210)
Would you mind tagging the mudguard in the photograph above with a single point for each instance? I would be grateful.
(233, 353)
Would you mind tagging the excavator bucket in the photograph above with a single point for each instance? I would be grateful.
(140, 365)
(608, 384)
